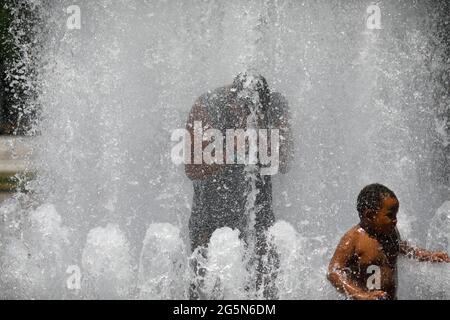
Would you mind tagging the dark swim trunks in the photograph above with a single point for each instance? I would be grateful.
(220, 201)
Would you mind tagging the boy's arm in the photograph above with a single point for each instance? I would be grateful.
(338, 271)
(422, 254)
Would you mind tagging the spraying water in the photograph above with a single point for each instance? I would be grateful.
(108, 198)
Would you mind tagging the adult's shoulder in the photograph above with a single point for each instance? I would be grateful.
(210, 104)
(220, 94)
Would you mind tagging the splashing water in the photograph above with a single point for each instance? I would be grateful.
(106, 261)
(225, 268)
(108, 199)
(162, 264)
(33, 266)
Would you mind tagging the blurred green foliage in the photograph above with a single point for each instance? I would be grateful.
(6, 55)
(6, 50)
(13, 119)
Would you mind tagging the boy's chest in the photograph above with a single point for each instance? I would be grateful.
(373, 252)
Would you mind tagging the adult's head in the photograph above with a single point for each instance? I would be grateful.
(252, 90)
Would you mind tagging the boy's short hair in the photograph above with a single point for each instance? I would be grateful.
(370, 198)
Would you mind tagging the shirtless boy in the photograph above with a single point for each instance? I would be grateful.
(364, 266)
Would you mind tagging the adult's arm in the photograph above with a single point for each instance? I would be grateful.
(200, 171)
(281, 119)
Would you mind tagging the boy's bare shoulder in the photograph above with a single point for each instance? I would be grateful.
(353, 235)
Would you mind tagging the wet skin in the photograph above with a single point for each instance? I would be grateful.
(374, 242)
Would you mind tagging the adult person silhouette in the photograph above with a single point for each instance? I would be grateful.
(221, 191)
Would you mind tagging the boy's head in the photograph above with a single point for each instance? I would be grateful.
(377, 207)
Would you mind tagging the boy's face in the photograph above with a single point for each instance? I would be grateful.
(385, 219)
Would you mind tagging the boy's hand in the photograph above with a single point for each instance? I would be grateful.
(373, 295)
(422, 254)
(439, 257)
